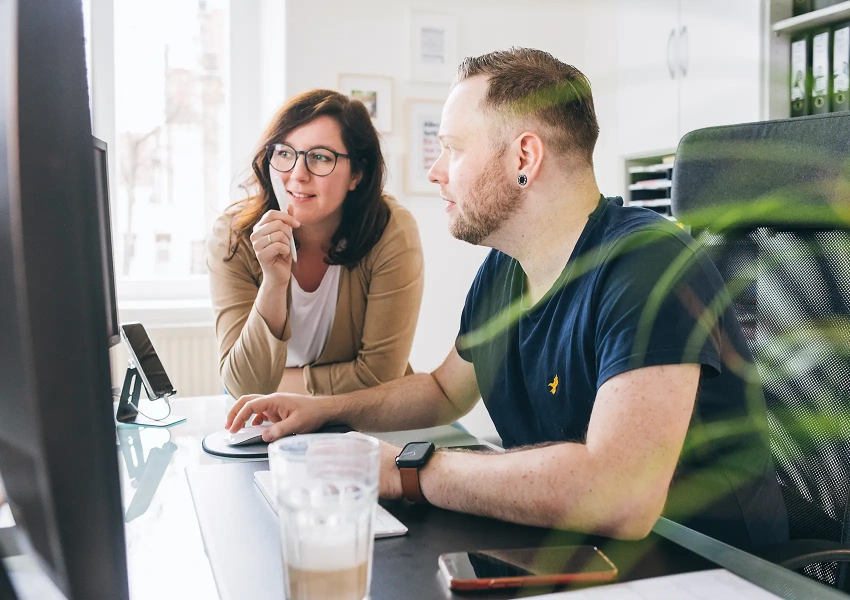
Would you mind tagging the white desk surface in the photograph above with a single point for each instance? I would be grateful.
(165, 552)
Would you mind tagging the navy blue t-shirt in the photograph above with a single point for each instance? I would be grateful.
(635, 292)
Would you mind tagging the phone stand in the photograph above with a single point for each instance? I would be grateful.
(128, 413)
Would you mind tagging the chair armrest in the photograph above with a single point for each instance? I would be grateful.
(797, 554)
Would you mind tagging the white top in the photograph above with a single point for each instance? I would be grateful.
(311, 317)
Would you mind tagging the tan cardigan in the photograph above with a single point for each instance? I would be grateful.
(372, 333)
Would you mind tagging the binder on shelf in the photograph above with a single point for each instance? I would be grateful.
(821, 72)
(840, 67)
(800, 80)
(802, 7)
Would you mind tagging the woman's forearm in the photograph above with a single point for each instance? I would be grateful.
(271, 304)
(292, 381)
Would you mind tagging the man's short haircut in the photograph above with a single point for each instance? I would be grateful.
(526, 82)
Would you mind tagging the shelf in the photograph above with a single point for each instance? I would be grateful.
(647, 203)
(810, 20)
(652, 168)
(651, 184)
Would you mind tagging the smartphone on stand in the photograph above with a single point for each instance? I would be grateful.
(553, 566)
(146, 371)
(150, 369)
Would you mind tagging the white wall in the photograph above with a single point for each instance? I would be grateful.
(596, 57)
(339, 36)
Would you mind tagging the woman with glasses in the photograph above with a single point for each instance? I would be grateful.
(336, 311)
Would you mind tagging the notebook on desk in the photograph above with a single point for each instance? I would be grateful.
(386, 525)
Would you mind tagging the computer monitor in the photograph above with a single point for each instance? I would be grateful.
(58, 454)
(101, 180)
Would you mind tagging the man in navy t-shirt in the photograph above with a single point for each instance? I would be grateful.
(609, 313)
(599, 337)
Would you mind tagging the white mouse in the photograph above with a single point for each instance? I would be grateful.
(247, 436)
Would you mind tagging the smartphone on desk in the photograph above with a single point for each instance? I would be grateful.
(471, 448)
(150, 369)
(553, 566)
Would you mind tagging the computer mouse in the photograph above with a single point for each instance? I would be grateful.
(247, 436)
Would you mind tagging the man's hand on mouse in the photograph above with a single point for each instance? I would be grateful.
(289, 413)
(292, 413)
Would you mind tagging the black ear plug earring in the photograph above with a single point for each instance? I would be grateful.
(522, 179)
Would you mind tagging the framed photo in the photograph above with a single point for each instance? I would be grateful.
(423, 146)
(376, 92)
(434, 51)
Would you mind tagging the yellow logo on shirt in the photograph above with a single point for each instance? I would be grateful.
(554, 384)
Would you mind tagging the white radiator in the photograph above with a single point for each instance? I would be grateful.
(189, 354)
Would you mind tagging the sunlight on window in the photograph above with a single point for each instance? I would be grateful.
(171, 147)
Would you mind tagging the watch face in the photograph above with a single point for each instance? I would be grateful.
(414, 455)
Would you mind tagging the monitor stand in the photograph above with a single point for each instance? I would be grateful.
(128, 413)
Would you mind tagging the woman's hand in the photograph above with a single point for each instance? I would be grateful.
(270, 240)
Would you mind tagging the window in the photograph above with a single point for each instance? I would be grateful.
(160, 81)
(169, 142)
(199, 258)
(163, 250)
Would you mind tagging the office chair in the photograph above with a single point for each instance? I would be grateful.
(771, 203)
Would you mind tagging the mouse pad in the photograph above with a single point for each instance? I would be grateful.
(216, 445)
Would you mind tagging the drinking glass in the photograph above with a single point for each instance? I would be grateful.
(326, 489)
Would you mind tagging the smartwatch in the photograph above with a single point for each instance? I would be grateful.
(413, 457)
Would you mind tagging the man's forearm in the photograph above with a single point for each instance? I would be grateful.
(561, 486)
(412, 402)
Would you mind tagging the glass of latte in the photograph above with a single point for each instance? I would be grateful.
(326, 488)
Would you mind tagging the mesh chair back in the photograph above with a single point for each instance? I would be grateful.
(771, 202)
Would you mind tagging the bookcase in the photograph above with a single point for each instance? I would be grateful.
(781, 28)
(649, 182)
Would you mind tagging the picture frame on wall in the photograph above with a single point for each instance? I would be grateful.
(423, 146)
(376, 92)
(433, 47)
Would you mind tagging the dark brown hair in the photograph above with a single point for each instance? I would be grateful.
(365, 214)
(528, 82)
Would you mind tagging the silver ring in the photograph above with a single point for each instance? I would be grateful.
(268, 235)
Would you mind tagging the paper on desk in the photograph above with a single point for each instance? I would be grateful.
(701, 585)
(443, 436)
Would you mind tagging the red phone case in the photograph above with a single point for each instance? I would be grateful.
(467, 585)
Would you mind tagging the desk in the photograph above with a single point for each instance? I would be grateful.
(167, 557)
(165, 553)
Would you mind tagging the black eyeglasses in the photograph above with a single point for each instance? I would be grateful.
(319, 161)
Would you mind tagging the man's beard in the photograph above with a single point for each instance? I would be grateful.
(490, 203)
